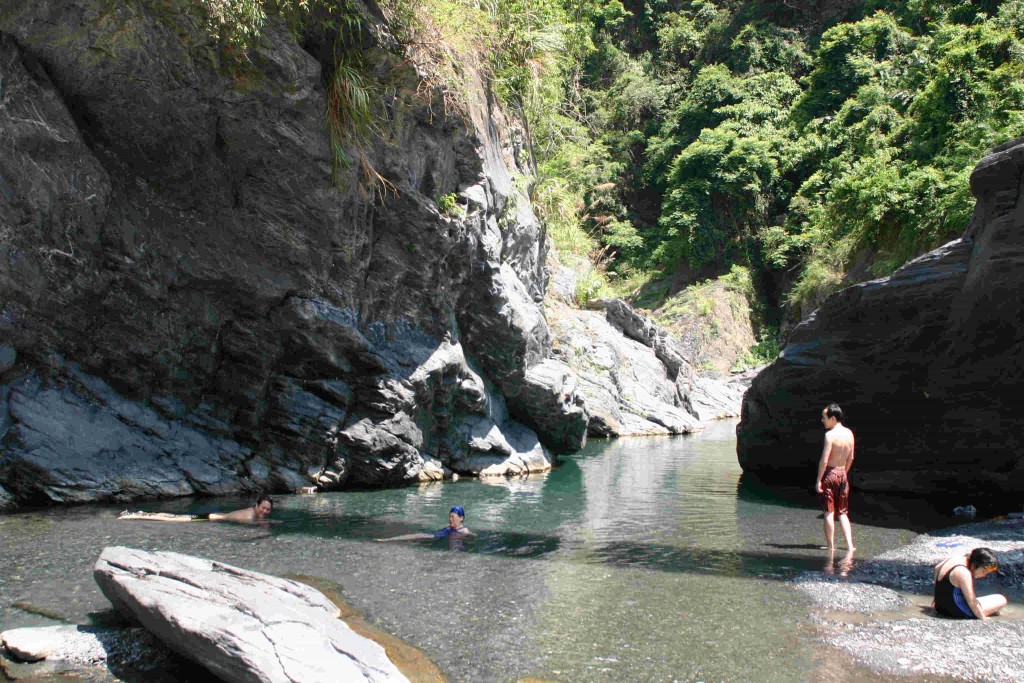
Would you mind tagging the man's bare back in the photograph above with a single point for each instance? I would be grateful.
(839, 447)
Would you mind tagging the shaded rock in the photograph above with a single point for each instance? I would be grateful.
(91, 653)
(7, 357)
(241, 625)
(925, 363)
(549, 401)
(231, 303)
(510, 336)
(74, 439)
(485, 450)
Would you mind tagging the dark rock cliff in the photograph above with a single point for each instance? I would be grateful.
(189, 303)
(928, 364)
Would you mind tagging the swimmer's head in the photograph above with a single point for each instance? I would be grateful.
(264, 506)
(455, 516)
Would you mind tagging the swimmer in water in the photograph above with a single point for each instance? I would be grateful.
(455, 529)
(260, 511)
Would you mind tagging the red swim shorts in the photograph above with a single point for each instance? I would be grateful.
(835, 491)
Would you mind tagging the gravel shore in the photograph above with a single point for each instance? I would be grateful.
(879, 610)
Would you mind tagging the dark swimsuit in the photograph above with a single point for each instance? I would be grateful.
(950, 600)
(448, 531)
(205, 515)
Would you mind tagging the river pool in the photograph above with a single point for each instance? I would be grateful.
(634, 560)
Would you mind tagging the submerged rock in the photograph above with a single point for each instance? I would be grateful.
(240, 625)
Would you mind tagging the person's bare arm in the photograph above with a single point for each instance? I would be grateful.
(853, 449)
(405, 537)
(823, 463)
(965, 582)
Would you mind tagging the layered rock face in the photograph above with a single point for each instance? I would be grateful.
(635, 378)
(927, 364)
(242, 626)
(191, 303)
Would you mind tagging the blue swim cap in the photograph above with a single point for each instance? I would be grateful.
(459, 511)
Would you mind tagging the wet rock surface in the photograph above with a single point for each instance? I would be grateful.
(925, 363)
(902, 634)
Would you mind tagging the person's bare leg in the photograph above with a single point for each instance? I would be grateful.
(830, 531)
(155, 516)
(844, 524)
(991, 604)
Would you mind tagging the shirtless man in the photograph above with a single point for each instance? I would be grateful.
(832, 485)
(261, 510)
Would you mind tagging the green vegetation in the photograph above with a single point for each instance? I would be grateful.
(448, 205)
(695, 136)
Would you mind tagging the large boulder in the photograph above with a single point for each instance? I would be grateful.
(242, 626)
(927, 364)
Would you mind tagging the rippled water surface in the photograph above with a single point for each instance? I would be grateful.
(635, 560)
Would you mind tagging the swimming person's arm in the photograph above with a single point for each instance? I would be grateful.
(405, 537)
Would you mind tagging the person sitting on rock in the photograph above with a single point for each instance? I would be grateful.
(954, 586)
(455, 529)
(261, 510)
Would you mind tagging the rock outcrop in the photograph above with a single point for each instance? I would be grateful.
(196, 296)
(634, 377)
(927, 364)
(240, 625)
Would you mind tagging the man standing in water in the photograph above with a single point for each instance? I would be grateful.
(832, 485)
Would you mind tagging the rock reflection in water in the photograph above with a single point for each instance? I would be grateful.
(638, 559)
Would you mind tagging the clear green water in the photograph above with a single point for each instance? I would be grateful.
(635, 560)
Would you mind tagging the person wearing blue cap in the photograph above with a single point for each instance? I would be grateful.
(455, 528)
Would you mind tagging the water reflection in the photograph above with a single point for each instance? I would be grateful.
(638, 559)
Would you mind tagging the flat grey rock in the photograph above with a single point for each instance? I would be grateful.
(242, 626)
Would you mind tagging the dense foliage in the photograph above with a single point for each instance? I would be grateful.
(688, 136)
(830, 147)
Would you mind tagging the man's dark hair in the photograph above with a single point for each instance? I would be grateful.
(833, 410)
(982, 557)
(265, 498)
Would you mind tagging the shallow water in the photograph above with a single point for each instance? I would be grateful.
(635, 560)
